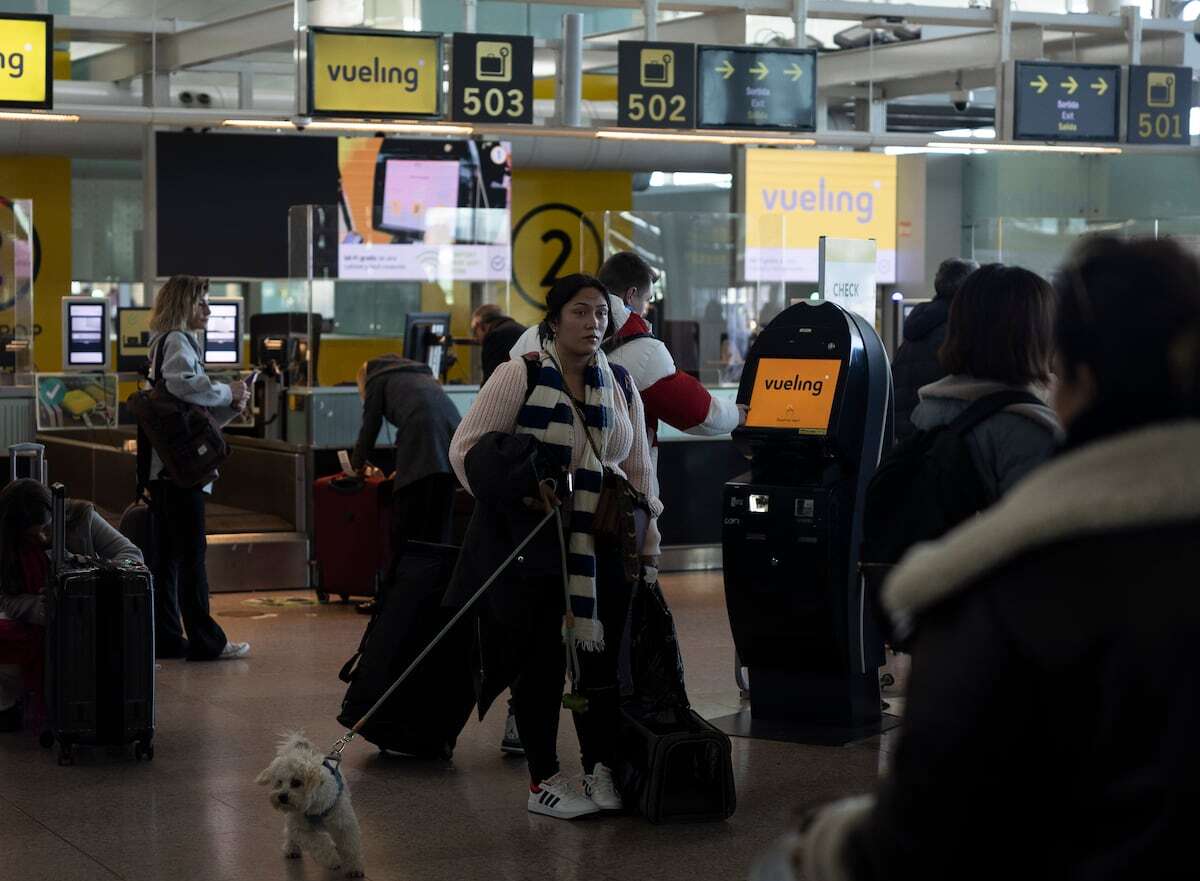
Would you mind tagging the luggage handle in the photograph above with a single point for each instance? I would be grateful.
(34, 451)
(336, 753)
(58, 519)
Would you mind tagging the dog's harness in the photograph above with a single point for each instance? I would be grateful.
(331, 763)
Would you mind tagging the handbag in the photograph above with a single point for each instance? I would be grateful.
(186, 437)
(622, 513)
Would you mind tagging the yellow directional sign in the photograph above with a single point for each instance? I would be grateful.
(795, 73)
(1040, 84)
(725, 69)
(1101, 86)
(760, 70)
(1071, 85)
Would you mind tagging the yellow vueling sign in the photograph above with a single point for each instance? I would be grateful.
(25, 61)
(374, 73)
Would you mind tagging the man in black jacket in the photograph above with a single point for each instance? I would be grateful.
(496, 334)
(916, 362)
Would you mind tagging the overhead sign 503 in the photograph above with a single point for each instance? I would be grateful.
(492, 78)
(656, 84)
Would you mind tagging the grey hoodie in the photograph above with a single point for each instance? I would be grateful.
(1007, 445)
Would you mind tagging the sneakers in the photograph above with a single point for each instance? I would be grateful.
(511, 742)
(599, 787)
(234, 650)
(557, 797)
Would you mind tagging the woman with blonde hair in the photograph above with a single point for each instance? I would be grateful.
(180, 576)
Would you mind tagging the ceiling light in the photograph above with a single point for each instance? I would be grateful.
(1025, 148)
(38, 117)
(414, 128)
(1190, 11)
(709, 138)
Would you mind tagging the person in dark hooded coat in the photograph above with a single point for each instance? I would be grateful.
(406, 394)
(916, 363)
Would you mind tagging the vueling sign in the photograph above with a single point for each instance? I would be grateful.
(374, 73)
(26, 79)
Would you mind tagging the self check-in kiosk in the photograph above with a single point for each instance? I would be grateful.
(817, 384)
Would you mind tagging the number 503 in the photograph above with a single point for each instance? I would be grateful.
(658, 108)
(495, 102)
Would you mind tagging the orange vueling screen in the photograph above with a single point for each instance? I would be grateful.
(794, 393)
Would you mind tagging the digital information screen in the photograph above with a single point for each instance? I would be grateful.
(87, 340)
(794, 393)
(411, 187)
(1066, 102)
(222, 336)
(757, 88)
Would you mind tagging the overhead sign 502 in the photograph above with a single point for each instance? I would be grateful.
(656, 84)
(492, 78)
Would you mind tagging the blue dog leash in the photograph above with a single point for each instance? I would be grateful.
(331, 762)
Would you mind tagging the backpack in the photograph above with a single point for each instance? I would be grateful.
(926, 485)
(185, 436)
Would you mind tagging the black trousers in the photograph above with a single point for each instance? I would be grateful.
(180, 575)
(422, 511)
(538, 689)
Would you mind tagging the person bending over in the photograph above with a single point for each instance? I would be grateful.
(180, 572)
(25, 507)
(520, 451)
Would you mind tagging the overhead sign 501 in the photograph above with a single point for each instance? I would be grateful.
(656, 84)
(492, 77)
(1159, 99)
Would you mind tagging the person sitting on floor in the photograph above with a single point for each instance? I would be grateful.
(24, 570)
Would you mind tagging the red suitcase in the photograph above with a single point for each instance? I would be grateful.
(353, 523)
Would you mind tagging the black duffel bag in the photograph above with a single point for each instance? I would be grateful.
(675, 766)
(186, 437)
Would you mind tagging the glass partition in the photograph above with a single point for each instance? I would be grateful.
(19, 256)
(404, 293)
(1042, 243)
(719, 281)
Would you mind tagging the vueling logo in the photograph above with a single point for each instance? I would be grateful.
(796, 384)
(13, 63)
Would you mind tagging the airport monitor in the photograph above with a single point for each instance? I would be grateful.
(425, 338)
(223, 335)
(85, 334)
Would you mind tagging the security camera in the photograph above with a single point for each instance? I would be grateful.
(301, 122)
(961, 99)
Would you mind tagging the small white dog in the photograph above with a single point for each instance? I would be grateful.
(312, 794)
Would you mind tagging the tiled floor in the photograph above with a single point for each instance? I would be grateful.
(194, 813)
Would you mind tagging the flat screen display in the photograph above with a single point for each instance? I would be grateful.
(87, 339)
(794, 393)
(223, 335)
(412, 186)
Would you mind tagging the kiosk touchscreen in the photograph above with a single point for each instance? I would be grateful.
(223, 335)
(817, 384)
(85, 323)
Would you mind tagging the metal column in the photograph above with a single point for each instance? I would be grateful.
(650, 16)
(569, 93)
(800, 20)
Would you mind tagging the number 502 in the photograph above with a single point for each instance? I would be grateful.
(657, 108)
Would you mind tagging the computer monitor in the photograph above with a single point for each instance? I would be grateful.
(223, 335)
(133, 338)
(426, 336)
(85, 334)
(285, 339)
(794, 393)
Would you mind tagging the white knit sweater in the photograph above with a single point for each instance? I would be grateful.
(496, 406)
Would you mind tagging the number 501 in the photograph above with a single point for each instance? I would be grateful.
(1160, 125)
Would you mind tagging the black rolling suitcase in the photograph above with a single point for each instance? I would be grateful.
(99, 651)
(425, 715)
(675, 766)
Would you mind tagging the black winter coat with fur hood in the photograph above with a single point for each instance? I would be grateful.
(1054, 701)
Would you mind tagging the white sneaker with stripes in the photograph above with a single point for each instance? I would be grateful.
(560, 797)
(601, 789)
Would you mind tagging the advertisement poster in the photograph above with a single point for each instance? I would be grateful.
(425, 211)
(793, 197)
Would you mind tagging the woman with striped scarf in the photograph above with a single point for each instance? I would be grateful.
(585, 416)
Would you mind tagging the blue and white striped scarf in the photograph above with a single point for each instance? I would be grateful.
(549, 416)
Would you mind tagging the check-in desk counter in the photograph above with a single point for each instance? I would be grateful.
(692, 470)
